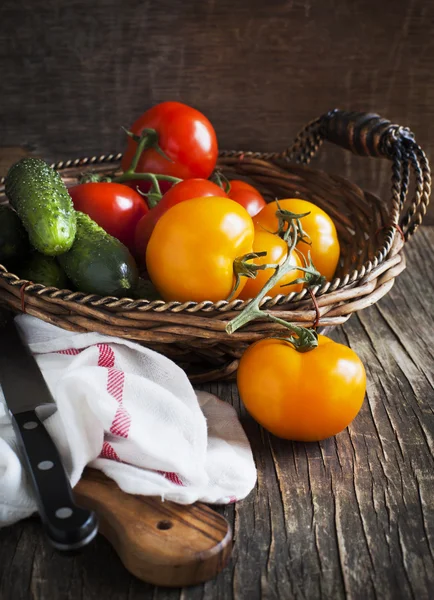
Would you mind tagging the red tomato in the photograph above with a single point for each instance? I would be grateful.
(115, 207)
(184, 134)
(246, 195)
(185, 190)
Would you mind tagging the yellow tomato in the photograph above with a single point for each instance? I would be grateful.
(192, 249)
(299, 396)
(325, 249)
(277, 251)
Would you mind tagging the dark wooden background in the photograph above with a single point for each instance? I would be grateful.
(356, 510)
(74, 71)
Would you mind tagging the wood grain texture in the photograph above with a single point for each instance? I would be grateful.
(159, 542)
(349, 517)
(74, 71)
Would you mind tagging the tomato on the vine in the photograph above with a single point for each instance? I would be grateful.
(302, 396)
(324, 248)
(246, 195)
(184, 135)
(277, 251)
(185, 190)
(192, 249)
(144, 186)
(115, 207)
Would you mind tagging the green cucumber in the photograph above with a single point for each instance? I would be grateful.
(145, 289)
(43, 269)
(41, 199)
(99, 263)
(14, 242)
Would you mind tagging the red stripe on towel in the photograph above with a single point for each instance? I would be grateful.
(173, 477)
(109, 452)
(115, 386)
(106, 356)
(70, 351)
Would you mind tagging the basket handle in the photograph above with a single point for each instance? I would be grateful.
(368, 134)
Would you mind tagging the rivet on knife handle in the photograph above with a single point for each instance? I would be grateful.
(68, 526)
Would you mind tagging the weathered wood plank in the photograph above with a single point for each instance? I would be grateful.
(352, 516)
(74, 72)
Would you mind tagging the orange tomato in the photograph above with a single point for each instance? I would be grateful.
(277, 251)
(185, 190)
(325, 249)
(306, 396)
(192, 249)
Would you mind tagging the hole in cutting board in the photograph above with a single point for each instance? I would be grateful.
(164, 525)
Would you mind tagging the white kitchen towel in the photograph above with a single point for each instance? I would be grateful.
(133, 414)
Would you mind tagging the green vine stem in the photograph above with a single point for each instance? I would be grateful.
(221, 180)
(148, 139)
(244, 268)
(144, 143)
(132, 176)
(154, 196)
(302, 338)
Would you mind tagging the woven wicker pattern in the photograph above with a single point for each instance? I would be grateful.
(369, 230)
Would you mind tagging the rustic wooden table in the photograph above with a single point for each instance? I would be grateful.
(352, 516)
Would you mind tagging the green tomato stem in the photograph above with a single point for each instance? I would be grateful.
(147, 139)
(243, 268)
(142, 144)
(152, 199)
(304, 339)
(131, 176)
(221, 180)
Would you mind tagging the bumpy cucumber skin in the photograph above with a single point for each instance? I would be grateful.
(43, 269)
(14, 241)
(99, 263)
(43, 204)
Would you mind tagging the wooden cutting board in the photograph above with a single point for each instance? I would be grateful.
(159, 542)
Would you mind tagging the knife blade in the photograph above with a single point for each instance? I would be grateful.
(68, 526)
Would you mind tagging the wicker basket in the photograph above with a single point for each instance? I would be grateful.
(372, 233)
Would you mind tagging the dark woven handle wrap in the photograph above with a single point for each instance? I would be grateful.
(368, 134)
(362, 133)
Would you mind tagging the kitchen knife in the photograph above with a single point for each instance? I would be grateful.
(29, 401)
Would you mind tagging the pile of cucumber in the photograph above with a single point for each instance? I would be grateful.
(44, 240)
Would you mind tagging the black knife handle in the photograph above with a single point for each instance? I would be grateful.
(68, 526)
